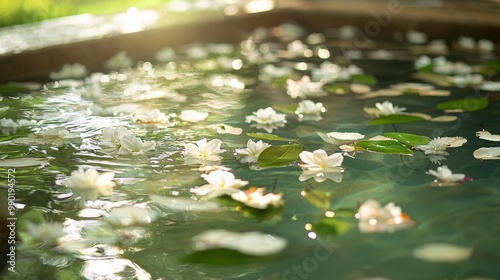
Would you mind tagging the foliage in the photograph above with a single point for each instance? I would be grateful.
(276, 156)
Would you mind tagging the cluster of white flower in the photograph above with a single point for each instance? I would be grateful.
(89, 184)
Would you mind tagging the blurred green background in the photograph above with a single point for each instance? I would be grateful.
(14, 12)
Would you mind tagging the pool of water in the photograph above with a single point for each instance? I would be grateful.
(226, 86)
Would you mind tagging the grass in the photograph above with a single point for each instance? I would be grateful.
(28, 11)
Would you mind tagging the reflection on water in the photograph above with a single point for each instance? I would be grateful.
(144, 229)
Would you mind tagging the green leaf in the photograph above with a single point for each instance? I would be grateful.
(272, 137)
(390, 119)
(317, 197)
(384, 147)
(427, 69)
(364, 79)
(338, 88)
(466, 104)
(224, 257)
(408, 139)
(286, 108)
(331, 226)
(10, 89)
(279, 155)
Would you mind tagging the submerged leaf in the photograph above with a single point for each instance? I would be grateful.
(465, 104)
(286, 108)
(317, 197)
(408, 139)
(384, 147)
(279, 155)
(391, 119)
(331, 226)
(272, 137)
(364, 79)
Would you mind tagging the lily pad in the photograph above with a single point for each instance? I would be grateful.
(391, 119)
(364, 79)
(385, 147)
(465, 104)
(286, 108)
(12, 88)
(272, 137)
(331, 226)
(279, 155)
(23, 162)
(408, 139)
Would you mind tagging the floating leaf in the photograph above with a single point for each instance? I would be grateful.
(487, 153)
(317, 197)
(384, 147)
(486, 135)
(465, 104)
(12, 88)
(408, 139)
(338, 88)
(286, 108)
(279, 155)
(391, 119)
(272, 137)
(224, 257)
(23, 162)
(331, 226)
(442, 252)
(364, 79)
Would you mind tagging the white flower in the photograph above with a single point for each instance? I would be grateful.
(254, 197)
(485, 45)
(416, 37)
(250, 243)
(436, 148)
(467, 42)
(267, 119)
(270, 71)
(387, 108)
(437, 46)
(89, 184)
(118, 61)
(153, 116)
(422, 61)
(42, 235)
(305, 87)
(445, 177)
(131, 145)
(327, 72)
(196, 51)
(309, 110)
(206, 153)
(321, 166)
(466, 80)
(373, 217)
(130, 216)
(219, 183)
(296, 49)
(165, 55)
(51, 136)
(252, 151)
(193, 116)
(75, 70)
(490, 86)
(111, 139)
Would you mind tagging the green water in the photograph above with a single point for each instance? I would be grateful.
(466, 215)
